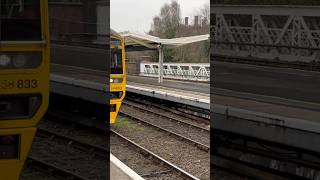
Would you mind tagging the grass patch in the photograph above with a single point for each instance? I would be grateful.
(125, 122)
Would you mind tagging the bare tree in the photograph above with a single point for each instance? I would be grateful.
(166, 24)
(205, 13)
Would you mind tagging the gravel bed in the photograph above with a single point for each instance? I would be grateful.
(169, 176)
(31, 173)
(150, 106)
(195, 134)
(69, 157)
(82, 134)
(138, 162)
(180, 153)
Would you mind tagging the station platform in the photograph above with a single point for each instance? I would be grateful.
(80, 83)
(196, 94)
(198, 87)
(119, 171)
(191, 98)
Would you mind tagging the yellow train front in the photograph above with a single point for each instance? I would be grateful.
(24, 79)
(117, 76)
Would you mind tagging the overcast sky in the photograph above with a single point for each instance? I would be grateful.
(137, 15)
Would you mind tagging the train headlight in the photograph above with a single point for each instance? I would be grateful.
(116, 80)
(4, 60)
(20, 60)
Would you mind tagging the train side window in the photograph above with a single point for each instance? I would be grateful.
(116, 61)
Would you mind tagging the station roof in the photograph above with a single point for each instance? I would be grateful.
(151, 42)
(114, 33)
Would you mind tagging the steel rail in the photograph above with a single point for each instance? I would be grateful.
(153, 155)
(188, 140)
(70, 140)
(167, 117)
(176, 112)
(33, 161)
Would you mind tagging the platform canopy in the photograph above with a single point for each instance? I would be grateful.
(152, 42)
(136, 40)
(114, 33)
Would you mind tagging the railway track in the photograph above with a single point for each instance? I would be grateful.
(169, 113)
(200, 118)
(171, 121)
(144, 162)
(195, 134)
(221, 172)
(43, 170)
(72, 151)
(163, 120)
(191, 156)
(151, 166)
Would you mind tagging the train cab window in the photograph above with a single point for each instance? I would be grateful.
(20, 20)
(116, 61)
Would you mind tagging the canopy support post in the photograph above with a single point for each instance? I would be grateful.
(160, 71)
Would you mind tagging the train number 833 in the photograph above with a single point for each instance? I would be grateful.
(18, 84)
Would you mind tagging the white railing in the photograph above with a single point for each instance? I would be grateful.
(181, 71)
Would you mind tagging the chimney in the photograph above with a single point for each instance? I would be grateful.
(205, 21)
(186, 23)
(196, 21)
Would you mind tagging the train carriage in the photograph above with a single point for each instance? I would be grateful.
(117, 75)
(24, 79)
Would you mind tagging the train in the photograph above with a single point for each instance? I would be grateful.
(117, 74)
(24, 79)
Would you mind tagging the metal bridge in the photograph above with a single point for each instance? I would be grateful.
(181, 71)
(285, 33)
